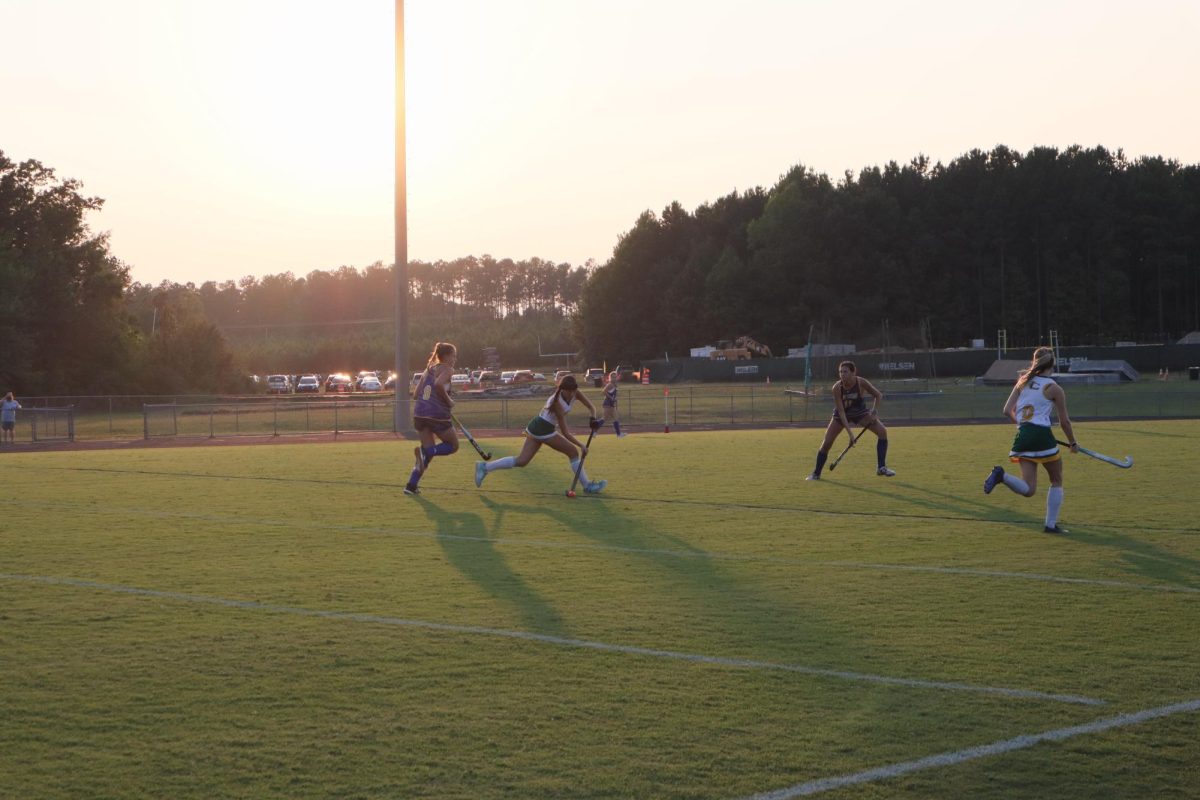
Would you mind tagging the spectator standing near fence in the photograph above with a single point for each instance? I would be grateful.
(610, 402)
(8, 416)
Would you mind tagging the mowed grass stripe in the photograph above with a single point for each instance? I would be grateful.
(517, 541)
(617, 496)
(914, 683)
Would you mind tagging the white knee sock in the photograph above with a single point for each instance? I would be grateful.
(1016, 484)
(575, 465)
(508, 462)
(1054, 500)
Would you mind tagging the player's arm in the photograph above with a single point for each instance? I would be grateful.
(583, 399)
(840, 407)
(441, 384)
(1056, 395)
(562, 427)
(1010, 405)
(878, 395)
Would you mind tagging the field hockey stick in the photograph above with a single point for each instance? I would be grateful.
(471, 439)
(1116, 462)
(853, 442)
(587, 449)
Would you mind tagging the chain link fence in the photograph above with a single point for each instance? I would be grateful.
(640, 407)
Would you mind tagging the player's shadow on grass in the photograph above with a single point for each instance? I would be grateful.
(949, 506)
(747, 617)
(1142, 558)
(464, 539)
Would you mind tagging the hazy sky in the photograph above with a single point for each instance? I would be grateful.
(248, 137)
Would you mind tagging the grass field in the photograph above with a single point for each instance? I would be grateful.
(281, 621)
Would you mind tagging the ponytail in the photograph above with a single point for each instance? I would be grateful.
(1043, 359)
(441, 351)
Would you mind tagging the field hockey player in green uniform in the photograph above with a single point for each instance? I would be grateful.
(1029, 405)
(549, 427)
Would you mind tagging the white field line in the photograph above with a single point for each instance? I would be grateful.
(982, 751)
(723, 661)
(591, 546)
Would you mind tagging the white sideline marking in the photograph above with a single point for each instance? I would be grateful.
(698, 554)
(559, 640)
(1029, 576)
(972, 753)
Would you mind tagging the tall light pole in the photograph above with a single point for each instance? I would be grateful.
(402, 419)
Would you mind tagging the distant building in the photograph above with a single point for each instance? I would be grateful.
(822, 350)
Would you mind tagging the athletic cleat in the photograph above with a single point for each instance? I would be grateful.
(480, 472)
(1056, 529)
(595, 487)
(411, 490)
(421, 462)
(813, 477)
(622, 435)
(885, 472)
(996, 476)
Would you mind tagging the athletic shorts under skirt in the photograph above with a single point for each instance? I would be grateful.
(432, 425)
(1034, 443)
(540, 429)
(854, 419)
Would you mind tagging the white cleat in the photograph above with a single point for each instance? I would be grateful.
(885, 472)
(595, 487)
(480, 472)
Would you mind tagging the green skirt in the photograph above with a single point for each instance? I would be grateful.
(1034, 443)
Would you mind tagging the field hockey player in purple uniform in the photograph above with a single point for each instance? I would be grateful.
(549, 427)
(431, 412)
(850, 408)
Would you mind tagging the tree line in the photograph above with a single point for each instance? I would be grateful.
(1082, 241)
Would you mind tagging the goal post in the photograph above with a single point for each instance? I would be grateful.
(52, 424)
(159, 419)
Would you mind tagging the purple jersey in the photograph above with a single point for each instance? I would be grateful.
(429, 400)
(610, 394)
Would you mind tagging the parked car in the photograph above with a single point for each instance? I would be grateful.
(506, 377)
(481, 376)
(562, 373)
(339, 383)
(369, 383)
(538, 376)
(279, 384)
(460, 381)
(308, 383)
(594, 376)
(523, 376)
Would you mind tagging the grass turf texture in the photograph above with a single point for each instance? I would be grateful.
(225, 680)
